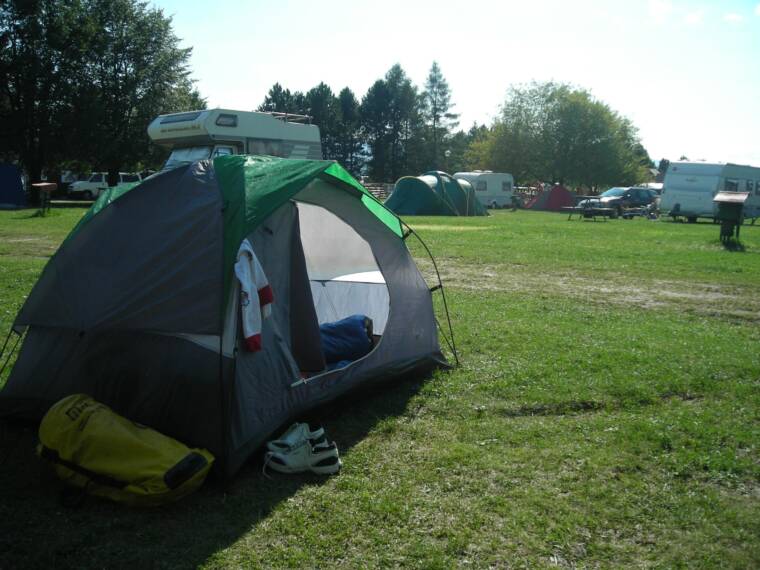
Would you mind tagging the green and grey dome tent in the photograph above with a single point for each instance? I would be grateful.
(434, 193)
(140, 306)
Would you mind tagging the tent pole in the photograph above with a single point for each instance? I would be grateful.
(13, 349)
(453, 345)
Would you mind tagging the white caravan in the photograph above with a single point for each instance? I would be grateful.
(493, 189)
(689, 188)
(197, 135)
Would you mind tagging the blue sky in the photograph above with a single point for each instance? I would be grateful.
(687, 73)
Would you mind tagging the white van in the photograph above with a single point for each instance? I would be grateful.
(493, 189)
(198, 135)
(689, 188)
(91, 188)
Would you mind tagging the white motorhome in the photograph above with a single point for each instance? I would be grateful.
(197, 135)
(493, 189)
(689, 188)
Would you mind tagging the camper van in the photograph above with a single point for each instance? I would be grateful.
(197, 135)
(689, 188)
(493, 189)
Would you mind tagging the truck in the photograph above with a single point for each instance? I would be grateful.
(689, 188)
(209, 133)
(493, 189)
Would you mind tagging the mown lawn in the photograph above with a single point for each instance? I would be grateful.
(605, 414)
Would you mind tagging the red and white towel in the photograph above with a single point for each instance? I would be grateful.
(256, 296)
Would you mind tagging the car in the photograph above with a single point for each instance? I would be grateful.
(91, 188)
(620, 198)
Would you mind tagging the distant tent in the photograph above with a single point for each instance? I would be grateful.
(553, 199)
(434, 194)
(12, 194)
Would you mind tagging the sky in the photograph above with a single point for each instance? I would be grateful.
(687, 73)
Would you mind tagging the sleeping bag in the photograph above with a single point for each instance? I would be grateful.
(347, 339)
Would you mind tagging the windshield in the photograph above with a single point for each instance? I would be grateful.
(97, 177)
(614, 192)
(180, 156)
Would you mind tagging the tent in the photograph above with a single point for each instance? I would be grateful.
(12, 194)
(434, 194)
(139, 307)
(553, 199)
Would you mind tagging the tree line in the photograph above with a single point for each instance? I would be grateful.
(545, 132)
(81, 80)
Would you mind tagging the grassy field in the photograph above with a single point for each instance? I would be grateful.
(606, 414)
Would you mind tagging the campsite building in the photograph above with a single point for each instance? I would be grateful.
(159, 339)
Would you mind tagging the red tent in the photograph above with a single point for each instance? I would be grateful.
(554, 199)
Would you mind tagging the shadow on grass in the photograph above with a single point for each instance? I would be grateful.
(733, 245)
(36, 531)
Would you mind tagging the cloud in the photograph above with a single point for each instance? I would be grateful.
(695, 17)
(733, 18)
(660, 10)
(757, 10)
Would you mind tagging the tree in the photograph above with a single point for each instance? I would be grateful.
(436, 109)
(403, 120)
(41, 60)
(82, 79)
(558, 133)
(135, 67)
(281, 100)
(375, 115)
(348, 143)
(322, 107)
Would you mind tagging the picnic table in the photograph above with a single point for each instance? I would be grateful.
(589, 212)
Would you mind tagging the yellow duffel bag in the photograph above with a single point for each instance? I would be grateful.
(94, 448)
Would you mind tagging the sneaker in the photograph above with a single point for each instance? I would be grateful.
(295, 436)
(321, 459)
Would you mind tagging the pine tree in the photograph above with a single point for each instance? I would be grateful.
(437, 107)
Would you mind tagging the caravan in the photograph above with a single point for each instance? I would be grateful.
(199, 135)
(493, 189)
(690, 187)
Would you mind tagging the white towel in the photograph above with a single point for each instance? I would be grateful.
(256, 295)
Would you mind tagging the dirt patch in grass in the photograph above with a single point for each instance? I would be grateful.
(708, 299)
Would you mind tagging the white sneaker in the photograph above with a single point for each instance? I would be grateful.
(321, 459)
(295, 436)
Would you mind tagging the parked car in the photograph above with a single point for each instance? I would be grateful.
(621, 198)
(91, 188)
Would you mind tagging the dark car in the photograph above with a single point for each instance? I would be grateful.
(620, 198)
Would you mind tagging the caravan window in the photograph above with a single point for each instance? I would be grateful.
(750, 186)
(481, 186)
(223, 151)
(757, 187)
(731, 185)
(506, 186)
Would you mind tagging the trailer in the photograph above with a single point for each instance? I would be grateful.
(198, 135)
(689, 188)
(493, 189)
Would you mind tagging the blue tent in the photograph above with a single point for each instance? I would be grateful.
(12, 194)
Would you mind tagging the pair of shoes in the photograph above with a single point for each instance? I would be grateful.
(303, 448)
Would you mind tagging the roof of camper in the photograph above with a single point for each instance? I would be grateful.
(703, 168)
(220, 122)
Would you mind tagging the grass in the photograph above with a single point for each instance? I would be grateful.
(605, 415)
